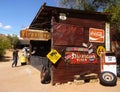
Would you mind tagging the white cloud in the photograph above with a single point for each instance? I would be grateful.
(7, 27)
(1, 25)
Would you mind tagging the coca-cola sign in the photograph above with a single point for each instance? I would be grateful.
(96, 35)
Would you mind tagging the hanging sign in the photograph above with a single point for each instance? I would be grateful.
(53, 56)
(35, 34)
(96, 35)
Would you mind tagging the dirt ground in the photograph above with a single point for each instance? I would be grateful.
(27, 79)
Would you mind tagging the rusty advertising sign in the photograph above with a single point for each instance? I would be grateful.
(80, 58)
(96, 35)
(35, 34)
(77, 49)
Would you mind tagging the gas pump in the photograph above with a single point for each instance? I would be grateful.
(108, 64)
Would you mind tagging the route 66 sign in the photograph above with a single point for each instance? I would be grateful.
(100, 49)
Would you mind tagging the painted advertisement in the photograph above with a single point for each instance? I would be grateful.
(80, 58)
(96, 35)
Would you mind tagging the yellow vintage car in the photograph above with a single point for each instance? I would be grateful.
(23, 60)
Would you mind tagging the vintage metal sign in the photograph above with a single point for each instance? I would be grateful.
(35, 34)
(96, 35)
(53, 56)
(99, 50)
(80, 58)
(76, 49)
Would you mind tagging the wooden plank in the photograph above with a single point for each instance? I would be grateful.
(35, 34)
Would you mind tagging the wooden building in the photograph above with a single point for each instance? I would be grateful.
(76, 40)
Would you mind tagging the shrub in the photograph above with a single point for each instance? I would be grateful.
(4, 44)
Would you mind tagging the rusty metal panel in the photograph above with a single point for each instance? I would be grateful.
(63, 72)
(66, 34)
(85, 23)
(68, 38)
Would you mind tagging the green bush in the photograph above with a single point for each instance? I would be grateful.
(4, 44)
(13, 40)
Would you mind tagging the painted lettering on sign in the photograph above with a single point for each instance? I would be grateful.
(96, 35)
(76, 49)
(35, 34)
(78, 58)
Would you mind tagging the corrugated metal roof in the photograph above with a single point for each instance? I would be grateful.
(43, 18)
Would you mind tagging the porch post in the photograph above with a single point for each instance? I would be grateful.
(107, 36)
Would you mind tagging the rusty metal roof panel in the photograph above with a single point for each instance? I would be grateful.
(43, 18)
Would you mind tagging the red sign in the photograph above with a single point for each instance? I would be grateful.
(96, 35)
(79, 58)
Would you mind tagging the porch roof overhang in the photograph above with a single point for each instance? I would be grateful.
(42, 20)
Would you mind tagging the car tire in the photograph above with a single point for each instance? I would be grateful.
(118, 70)
(45, 75)
(108, 79)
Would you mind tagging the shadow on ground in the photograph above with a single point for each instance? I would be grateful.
(5, 58)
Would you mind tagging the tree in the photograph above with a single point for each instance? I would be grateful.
(91, 5)
(114, 11)
(13, 40)
(4, 44)
(7, 42)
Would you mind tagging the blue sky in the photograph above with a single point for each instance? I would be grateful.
(18, 14)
